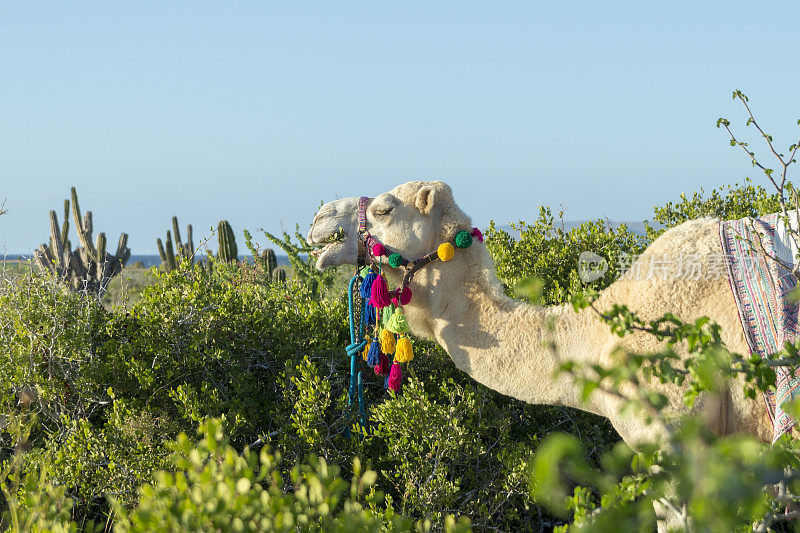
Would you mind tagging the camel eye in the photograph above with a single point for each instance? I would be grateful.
(382, 210)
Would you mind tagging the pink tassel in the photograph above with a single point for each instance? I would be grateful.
(395, 377)
(379, 296)
(382, 368)
(405, 295)
(378, 250)
(477, 234)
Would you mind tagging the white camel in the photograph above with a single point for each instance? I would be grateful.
(504, 343)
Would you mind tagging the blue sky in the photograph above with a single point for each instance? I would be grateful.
(257, 111)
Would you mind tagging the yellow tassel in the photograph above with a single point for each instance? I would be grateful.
(403, 353)
(446, 251)
(387, 341)
(366, 348)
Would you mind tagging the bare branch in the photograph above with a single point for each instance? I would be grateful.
(767, 138)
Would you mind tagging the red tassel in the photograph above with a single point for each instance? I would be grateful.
(382, 368)
(395, 377)
(379, 296)
(477, 234)
(378, 250)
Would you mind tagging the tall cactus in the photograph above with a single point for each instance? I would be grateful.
(89, 267)
(269, 261)
(185, 250)
(279, 275)
(227, 242)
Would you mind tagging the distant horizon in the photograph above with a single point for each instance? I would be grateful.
(636, 226)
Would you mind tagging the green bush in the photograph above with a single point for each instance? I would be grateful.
(108, 390)
(547, 252)
(214, 488)
(726, 203)
(113, 387)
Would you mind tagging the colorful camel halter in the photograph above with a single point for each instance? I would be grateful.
(382, 309)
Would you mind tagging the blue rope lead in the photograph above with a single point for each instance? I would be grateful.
(357, 343)
(361, 399)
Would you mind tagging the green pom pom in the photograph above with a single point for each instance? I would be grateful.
(463, 239)
(395, 260)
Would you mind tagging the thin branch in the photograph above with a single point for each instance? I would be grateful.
(766, 137)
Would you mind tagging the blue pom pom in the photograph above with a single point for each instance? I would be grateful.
(374, 354)
(366, 285)
(369, 314)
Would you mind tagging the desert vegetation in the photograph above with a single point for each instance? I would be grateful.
(212, 395)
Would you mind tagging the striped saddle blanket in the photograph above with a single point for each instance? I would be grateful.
(761, 287)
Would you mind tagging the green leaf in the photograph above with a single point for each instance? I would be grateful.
(587, 389)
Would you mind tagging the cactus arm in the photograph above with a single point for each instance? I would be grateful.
(65, 227)
(228, 251)
(83, 225)
(170, 253)
(87, 223)
(44, 258)
(122, 248)
(161, 252)
(119, 259)
(176, 233)
(222, 239)
(76, 209)
(56, 243)
(100, 258)
(190, 241)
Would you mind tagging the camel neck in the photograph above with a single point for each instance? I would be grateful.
(507, 345)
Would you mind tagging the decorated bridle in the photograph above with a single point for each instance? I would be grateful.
(383, 308)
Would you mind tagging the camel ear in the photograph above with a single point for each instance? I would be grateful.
(425, 199)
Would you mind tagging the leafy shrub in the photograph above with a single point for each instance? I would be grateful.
(113, 387)
(546, 251)
(214, 488)
(726, 203)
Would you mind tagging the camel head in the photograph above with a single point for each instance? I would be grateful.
(411, 219)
